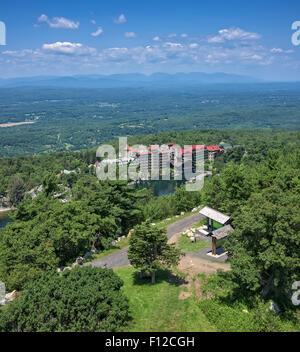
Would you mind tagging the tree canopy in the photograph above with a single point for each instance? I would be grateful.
(84, 299)
(149, 250)
(47, 233)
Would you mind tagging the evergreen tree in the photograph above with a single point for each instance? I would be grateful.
(16, 190)
(149, 250)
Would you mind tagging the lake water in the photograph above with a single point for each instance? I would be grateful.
(4, 219)
(160, 188)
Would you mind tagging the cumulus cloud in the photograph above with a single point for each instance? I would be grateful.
(18, 53)
(256, 57)
(192, 53)
(276, 50)
(174, 53)
(93, 22)
(173, 45)
(59, 22)
(98, 32)
(68, 48)
(233, 34)
(121, 19)
(130, 35)
(281, 51)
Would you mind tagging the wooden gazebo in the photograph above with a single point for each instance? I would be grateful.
(220, 233)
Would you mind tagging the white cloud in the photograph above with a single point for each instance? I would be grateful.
(98, 32)
(93, 22)
(173, 45)
(121, 19)
(68, 48)
(280, 51)
(256, 57)
(59, 22)
(184, 35)
(156, 39)
(173, 35)
(233, 34)
(16, 53)
(191, 53)
(276, 50)
(130, 35)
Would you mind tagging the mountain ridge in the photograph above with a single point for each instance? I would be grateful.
(134, 80)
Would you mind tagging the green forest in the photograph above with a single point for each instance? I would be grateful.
(257, 183)
(76, 119)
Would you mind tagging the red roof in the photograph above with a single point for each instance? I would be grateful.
(213, 148)
(154, 147)
(186, 150)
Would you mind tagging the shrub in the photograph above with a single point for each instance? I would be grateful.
(84, 299)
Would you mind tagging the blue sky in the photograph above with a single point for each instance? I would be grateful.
(104, 37)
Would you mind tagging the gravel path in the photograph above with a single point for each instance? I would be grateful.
(119, 259)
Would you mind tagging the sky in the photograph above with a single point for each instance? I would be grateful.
(92, 37)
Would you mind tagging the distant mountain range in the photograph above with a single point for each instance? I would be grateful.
(131, 80)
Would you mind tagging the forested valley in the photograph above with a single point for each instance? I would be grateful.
(257, 183)
(61, 119)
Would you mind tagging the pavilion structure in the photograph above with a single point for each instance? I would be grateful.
(217, 233)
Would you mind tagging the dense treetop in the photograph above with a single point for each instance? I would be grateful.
(80, 300)
(75, 119)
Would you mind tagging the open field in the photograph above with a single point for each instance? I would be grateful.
(5, 125)
(158, 307)
(186, 245)
(76, 119)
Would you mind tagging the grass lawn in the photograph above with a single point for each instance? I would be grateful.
(200, 223)
(185, 244)
(157, 307)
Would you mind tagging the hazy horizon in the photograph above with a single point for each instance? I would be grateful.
(250, 39)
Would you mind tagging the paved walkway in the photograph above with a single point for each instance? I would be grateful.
(120, 258)
(203, 254)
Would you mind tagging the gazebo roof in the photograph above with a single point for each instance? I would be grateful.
(215, 215)
(222, 232)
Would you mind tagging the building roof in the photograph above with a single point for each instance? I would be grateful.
(197, 147)
(215, 215)
(213, 148)
(154, 147)
(222, 232)
(225, 145)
